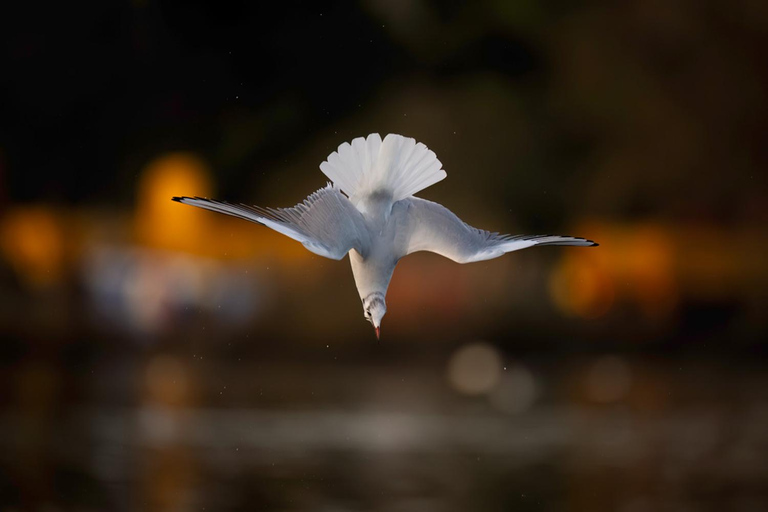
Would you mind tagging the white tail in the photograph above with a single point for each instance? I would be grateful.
(398, 165)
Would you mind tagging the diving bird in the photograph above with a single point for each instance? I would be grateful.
(370, 211)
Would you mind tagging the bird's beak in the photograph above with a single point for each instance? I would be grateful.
(378, 332)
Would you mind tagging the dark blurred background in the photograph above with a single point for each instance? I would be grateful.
(157, 357)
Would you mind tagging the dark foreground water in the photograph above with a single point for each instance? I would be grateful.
(592, 434)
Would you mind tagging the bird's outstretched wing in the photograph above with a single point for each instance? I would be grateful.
(428, 226)
(326, 222)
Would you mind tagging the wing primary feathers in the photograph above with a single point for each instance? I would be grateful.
(432, 227)
(326, 222)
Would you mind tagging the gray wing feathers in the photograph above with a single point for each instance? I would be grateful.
(326, 222)
(431, 227)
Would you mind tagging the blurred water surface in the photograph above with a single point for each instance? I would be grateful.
(285, 435)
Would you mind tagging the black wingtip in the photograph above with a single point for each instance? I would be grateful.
(594, 244)
(177, 199)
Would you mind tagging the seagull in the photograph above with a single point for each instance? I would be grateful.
(369, 211)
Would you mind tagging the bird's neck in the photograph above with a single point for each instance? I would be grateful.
(372, 274)
(372, 298)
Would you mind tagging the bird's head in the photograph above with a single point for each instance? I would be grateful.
(374, 308)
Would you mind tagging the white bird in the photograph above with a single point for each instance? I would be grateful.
(369, 211)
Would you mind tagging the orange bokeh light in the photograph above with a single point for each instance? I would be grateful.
(634, 264)
(33, 242)
(164, 224)
(161, 223)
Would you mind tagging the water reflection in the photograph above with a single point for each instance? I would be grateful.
(531, 444)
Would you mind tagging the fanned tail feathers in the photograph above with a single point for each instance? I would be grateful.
(397, 165)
